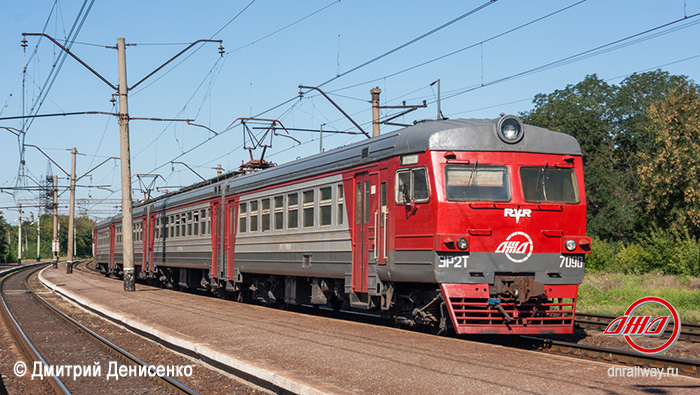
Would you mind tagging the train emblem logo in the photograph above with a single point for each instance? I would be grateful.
(517, 247)
(630, 325)
(517, 213)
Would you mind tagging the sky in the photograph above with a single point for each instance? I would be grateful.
(491, 57)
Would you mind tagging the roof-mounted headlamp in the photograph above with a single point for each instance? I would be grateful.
(510, 129)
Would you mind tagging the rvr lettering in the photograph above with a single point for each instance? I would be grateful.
(517, 213)
(637, 326)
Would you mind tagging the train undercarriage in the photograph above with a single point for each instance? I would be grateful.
(511, 305)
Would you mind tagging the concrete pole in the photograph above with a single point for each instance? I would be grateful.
(375, 110)
(218, 170)
(71, 213)
(127, 215)
(38, 236)
(19, 237)
(55, 243)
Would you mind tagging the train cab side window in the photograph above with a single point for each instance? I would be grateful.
(412, 185)
(325, 206)
(293, 211)
(254, 216)
(308, 217)
(279, 213)
(242, 218)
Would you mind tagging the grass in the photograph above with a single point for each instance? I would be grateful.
(613, 293)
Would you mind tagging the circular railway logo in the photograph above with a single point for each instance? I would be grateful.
(517, 247)
(630, 325)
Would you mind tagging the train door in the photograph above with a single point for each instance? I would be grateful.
(365, 229)
(230, 235)
(112, 235)
(382, 215)
(151, 240)
(144, 242)
(215, 237)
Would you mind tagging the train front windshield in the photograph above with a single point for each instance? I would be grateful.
(474, 182)
(547, 184)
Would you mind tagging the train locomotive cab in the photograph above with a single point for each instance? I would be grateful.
(509, 225)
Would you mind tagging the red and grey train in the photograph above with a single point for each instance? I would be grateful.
(474, 225)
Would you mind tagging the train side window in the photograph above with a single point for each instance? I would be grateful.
(254, 216)
(412, 185)
(189, 224)
(325, 206)
(265, 215)
(232, 220)
(183, 224)
(308, 218)
(177, 225)
(293, 211)
(279, 213)
(206, 228)
(340, 204)
(366, 210)
(383, 196)
(242, 217)
(195, 222)
(171, 223)
(202, 222)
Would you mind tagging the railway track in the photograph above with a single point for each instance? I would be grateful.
(689, 332)
(48, 335)
(595, 321)
(622, 357)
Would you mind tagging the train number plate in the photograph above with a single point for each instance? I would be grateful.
(571, 261)
(453, 261)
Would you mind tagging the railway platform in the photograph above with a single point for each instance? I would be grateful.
(310, 354)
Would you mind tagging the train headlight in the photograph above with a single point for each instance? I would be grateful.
(462, 243)
(570, 245)
(510, 129)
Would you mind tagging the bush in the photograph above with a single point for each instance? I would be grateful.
(673, 251)
(603, 254)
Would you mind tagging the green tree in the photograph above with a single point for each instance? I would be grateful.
(669, 170)
(612, 124)
(4, 248)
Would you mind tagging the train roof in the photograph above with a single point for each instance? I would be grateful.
(442, 135)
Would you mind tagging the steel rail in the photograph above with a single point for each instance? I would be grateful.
(19, 334)
(690, 332)
(169, 381)
(686, 367)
